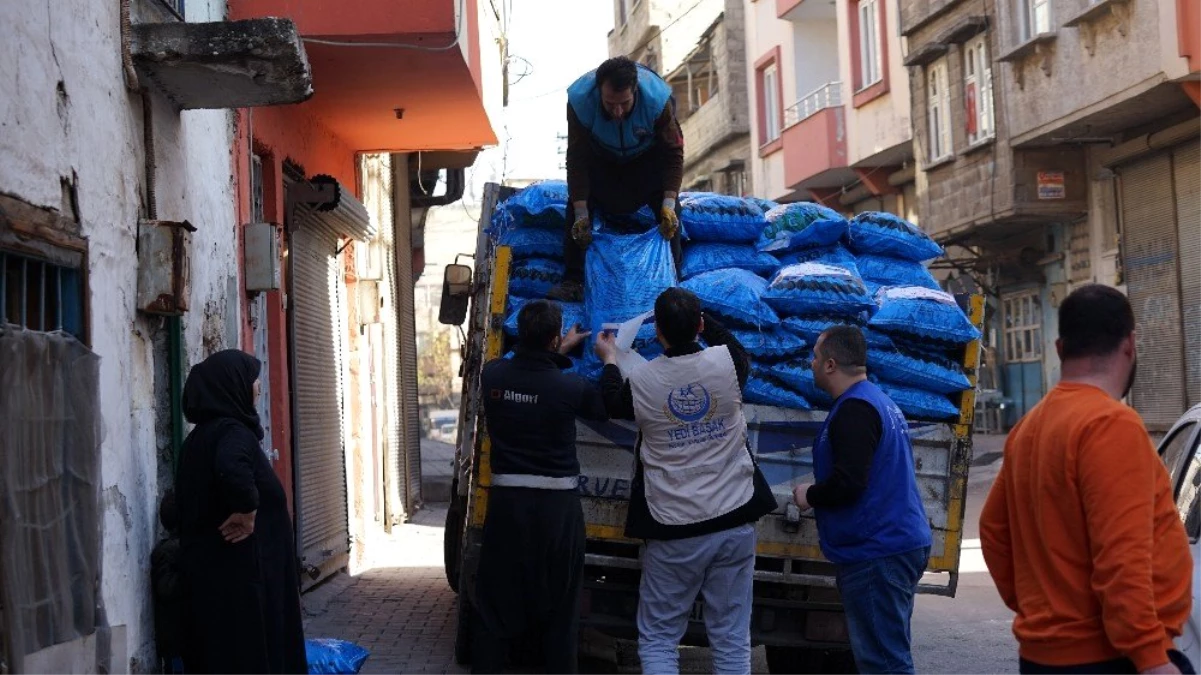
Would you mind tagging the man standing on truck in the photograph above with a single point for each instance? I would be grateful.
(870, 520)
(532, 556)
(696, 492)
(625, 150)
(1080, 531)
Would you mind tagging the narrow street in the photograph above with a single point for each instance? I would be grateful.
(403, 611)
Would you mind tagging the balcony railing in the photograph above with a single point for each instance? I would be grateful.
(828, 95)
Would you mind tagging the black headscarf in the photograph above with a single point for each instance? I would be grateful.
(222, 387)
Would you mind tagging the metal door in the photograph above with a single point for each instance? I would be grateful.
(1186, 167)
(321, 509)
(1153, 283)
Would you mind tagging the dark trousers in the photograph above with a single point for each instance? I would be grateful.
(1115, 666)
(530, 576)
(619, 189)
(877, 596)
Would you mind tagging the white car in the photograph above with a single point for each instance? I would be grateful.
(1182, 456)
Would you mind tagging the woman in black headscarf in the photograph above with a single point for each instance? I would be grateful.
(238, 557)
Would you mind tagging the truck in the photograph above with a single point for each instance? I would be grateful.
(797, 614)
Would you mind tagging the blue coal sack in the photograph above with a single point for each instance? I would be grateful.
(735, 296)
(922, 313)
(880, 233)
(720, 218)
(802, 225)
(707, 257)
(334, 657)
(533, 243)
(534, 277)
(816, 288)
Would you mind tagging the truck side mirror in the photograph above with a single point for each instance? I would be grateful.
(456, 291)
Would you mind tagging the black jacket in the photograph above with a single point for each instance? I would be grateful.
(530, 407)
(619, 400)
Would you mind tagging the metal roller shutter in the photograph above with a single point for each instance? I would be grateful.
(321, 507)
(1150, 237)
(409, 430)
(1186, 166)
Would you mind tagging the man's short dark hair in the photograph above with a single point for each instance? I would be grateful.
(1093, 321)
(678, 315)
(620, 72)
(539, 322)
(846, 345)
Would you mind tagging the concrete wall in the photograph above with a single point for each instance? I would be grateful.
(68, 117)
(1120, 67)
(764, 32)
(976, 184)
(882, 123)
(728, 113)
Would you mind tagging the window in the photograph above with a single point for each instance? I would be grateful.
(39, 295)
(769, 88)
(1023, 327)
(1036, 18)
(870, 40)
(977, 90)
(939, 113)
(1174, 450)
(1188, 496)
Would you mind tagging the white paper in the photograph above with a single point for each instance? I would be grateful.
(627, 359)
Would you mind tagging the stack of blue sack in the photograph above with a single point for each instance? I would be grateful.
(776, 275)
(532, 224)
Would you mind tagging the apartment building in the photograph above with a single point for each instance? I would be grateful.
(831, 118)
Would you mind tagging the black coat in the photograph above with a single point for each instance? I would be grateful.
(243, 599)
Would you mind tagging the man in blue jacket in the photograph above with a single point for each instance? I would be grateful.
(870, 519)
(625, 150)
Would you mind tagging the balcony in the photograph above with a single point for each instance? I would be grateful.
(388, 80)
(815, 140)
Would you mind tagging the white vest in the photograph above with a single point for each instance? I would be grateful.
(694, 458)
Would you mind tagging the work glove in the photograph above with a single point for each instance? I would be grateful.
(669, 223)
(581, 229)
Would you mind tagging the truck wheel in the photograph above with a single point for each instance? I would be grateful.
(805, 660)
(452, 540)
(463, 631)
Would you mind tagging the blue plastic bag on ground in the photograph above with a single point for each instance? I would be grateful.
(922, 313)
(930, 373)
(334, 657)
(573, 315)
(534, 277)
(920, 405)
(624, 275)
(735, 296)
(836, 255)
(707, 257)
(888, 271)
(817, 288)
(533, 243)
(770, 343)
(542, 204)
(798, 375)
(720, 218)
(802, 225)
(764, 389)
(881, 233)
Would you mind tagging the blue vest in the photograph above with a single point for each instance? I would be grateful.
(888, 517)
(628, 138)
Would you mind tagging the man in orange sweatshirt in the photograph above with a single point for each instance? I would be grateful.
(1079, 531)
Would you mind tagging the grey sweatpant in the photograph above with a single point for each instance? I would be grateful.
(720, 567)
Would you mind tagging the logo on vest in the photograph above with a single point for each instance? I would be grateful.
(515, 397)
(689, 403)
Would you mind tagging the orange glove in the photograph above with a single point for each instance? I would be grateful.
(669, 222)
(581, 230)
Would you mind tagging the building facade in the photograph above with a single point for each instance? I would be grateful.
(831, 105)
(182, 179)
(1057, 143)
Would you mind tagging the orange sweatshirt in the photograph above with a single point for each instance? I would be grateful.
(1082, 538)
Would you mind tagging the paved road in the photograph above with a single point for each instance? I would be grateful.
(404, 613)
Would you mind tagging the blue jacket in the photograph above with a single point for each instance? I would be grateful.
(889, 517)
(628, 138)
